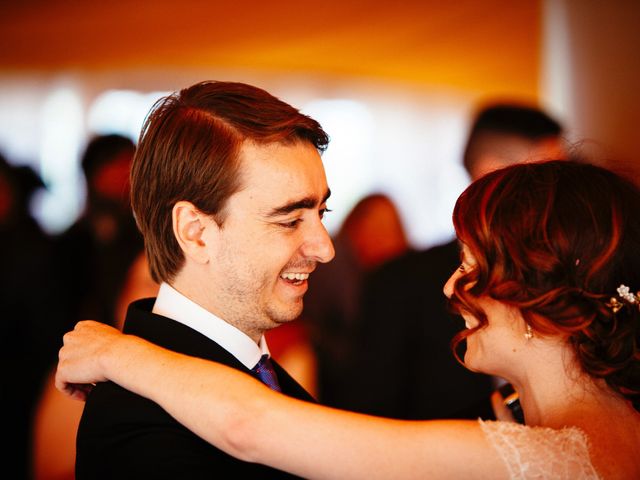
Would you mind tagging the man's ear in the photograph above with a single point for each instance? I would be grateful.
(189, 225)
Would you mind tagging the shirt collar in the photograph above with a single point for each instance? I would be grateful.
(172, 304)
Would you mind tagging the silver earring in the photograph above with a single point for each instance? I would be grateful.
(529, 332)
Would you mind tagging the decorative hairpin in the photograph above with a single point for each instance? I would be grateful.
(625, 296)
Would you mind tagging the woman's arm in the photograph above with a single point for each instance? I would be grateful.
(241, 416)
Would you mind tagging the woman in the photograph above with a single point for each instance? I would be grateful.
(545, 250)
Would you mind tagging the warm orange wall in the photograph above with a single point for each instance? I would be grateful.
(483, 46)
(605, 78)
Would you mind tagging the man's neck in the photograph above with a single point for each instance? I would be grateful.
(175, 305)
(200, 291)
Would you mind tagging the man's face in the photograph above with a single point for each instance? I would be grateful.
(272, 237)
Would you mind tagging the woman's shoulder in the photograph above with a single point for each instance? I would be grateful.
(541, 452)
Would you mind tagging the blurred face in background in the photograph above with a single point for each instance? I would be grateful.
(6, 198)
(110, 181)
(508, 150)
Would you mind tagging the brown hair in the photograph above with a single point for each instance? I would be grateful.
(494, 123)
(555, 240)
(188, 150)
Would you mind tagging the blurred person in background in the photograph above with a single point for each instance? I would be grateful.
(404, 312)
(96, 252)
(31, 320)
(99, 272)
(57, 417)
(371, 234)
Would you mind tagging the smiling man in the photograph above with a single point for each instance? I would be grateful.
(229, 191)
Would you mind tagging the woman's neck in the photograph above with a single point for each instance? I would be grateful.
(556, 392)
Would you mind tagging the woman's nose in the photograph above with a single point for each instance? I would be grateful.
(448, 287)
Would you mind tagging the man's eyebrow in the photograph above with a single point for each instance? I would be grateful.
(303, 203)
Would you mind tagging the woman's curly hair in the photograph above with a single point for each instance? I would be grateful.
(556, 239)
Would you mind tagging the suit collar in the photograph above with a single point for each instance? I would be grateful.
(180, 338)
(172, 304)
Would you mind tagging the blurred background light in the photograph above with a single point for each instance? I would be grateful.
(395, 87)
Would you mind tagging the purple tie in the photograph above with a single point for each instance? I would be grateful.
(265, 371)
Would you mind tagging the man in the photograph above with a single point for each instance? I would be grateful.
(229, 191)
(372, 233)
(96, 252)
(31, 318)
(404, 310)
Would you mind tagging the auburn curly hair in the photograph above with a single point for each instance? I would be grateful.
(556, 239)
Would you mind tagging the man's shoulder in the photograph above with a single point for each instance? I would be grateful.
(173, 335)
(123, 435)
(180, 338)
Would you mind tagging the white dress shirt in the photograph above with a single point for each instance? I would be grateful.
(172, 304)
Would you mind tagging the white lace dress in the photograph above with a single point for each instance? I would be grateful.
(541, 453)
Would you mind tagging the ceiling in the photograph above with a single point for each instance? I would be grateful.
(487, 46)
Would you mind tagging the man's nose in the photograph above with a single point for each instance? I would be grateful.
(318, 245)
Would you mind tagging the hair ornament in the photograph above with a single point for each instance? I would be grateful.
(625, 297)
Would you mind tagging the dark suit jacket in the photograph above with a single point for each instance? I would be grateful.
(407, 368)
(122, 435)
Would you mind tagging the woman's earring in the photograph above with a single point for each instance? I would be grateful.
(529, 332)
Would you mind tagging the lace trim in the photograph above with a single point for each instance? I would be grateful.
(540, 452)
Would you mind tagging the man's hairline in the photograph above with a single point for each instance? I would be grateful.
(221, 215)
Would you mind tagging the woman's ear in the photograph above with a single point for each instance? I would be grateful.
(189, 225)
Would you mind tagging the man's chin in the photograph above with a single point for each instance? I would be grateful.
(286, 314)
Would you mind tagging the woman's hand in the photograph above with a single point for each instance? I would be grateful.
(80, 360)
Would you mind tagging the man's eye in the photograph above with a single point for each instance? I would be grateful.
(461, 268)
(323, 211)
(291, 224)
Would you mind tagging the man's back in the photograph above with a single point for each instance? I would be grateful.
(123, 435)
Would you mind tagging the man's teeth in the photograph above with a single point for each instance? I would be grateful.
(295, 276)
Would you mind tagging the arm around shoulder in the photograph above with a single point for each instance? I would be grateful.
(256, 424)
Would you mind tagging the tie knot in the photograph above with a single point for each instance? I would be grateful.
(264, 370)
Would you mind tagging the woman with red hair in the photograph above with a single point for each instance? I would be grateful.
(550, 267)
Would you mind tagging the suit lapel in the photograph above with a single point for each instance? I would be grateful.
(174, 335)
(180, 338)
